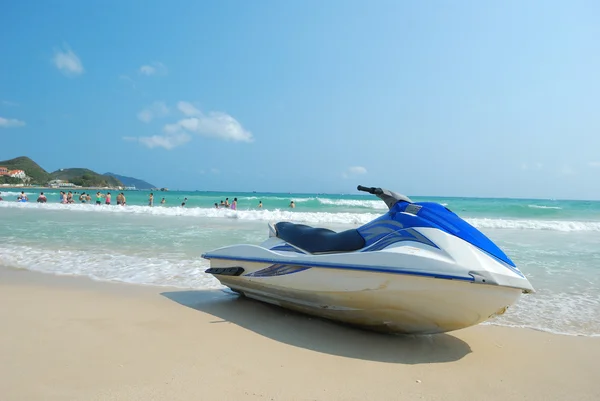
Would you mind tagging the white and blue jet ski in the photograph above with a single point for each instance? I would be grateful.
(418, 269)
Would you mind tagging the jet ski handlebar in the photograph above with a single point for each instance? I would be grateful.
(390, 198)
(371, 190)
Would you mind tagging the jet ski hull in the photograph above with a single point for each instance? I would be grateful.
(379, 301)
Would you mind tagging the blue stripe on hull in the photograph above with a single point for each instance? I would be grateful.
(308, 264)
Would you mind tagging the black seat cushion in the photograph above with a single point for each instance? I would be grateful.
(317, 240)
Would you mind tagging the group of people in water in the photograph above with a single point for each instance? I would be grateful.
(233, 205)
(100, 198)
(69, 197)
(22, 197)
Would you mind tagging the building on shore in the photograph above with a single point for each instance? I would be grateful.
(4, 171)
(61, 184)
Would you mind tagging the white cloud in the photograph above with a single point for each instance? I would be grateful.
(171, 128)
(357, 170)
(145, 116)
(8, 103)
(188, 109)
(214, 124)
(155, 68)
(354, 171)
(566, 170)
(533, 166)
(214, 170)
(165, 141)
(67, 62)
(128, 79)
(594, 164)
(161, 141)
(10, 123)
(156, 110)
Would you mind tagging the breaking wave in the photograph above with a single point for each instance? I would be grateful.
(111, 266)
(314, 218)
(544, 207)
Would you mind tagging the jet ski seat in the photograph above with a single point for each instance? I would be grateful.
(319, 240)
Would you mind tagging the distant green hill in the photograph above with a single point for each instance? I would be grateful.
(85, 178)
(78, 176)
(131, 182)
(32, 169)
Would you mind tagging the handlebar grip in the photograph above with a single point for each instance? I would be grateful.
(370, 190)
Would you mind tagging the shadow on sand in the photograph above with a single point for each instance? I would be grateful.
(319, 334)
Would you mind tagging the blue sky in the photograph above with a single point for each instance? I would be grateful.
(458, 98)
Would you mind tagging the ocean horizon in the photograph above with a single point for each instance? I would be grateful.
(555, 242)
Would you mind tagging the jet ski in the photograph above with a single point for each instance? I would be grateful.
(417, 269)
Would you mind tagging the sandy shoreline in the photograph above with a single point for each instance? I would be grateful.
(68, 338)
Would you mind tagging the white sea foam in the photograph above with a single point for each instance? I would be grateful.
(296, 200)
(299, 200)
(373, 204)
(552, 225)
(261, 215)
(569, 330)
(544, 207)
(301, 217)
(573, 313)
(111, 266)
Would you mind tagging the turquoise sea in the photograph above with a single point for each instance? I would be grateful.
(556, 243)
